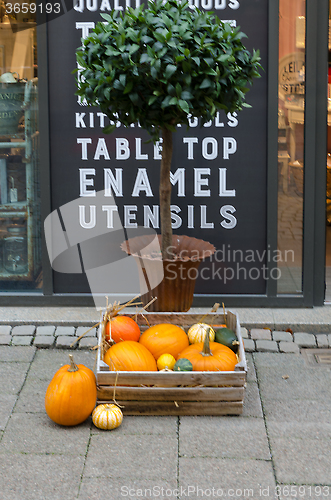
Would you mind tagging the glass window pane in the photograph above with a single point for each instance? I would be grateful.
(20, 262)
(291, 114)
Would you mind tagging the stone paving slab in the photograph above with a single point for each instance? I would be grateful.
(127, 488)
(311, 464)
(218, 437)
(289, 383)
(303, 410)
(32, 396)
(40, 477)
(23, 436)
(142, 424)
(249, 478)
(7, 403)
(22, 354)
(48, 361)
(252, 401)
(305, 429)
(251, 372)
(117, 455)
(13, 377)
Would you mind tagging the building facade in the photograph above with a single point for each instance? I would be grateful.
(254, 184)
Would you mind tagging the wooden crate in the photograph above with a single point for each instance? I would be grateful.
(177, 393)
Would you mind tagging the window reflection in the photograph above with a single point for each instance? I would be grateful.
(20, 261)
(291, 115)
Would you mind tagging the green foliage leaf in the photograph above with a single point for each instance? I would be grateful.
(134, 47)
(205, 84)
(184, 106)
(170, 70)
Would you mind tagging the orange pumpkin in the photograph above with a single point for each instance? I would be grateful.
(121, 328)
(164, 339)
(71, 395)
(210, 356)
(130, 356)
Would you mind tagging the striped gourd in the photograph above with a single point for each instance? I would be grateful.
(107, 416)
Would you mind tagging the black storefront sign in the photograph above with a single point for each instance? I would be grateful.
(219, 170)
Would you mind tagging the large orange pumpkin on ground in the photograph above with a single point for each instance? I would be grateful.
(121, 328)
(130, 356)
(71, 395)
(164, 339)
(210, 356)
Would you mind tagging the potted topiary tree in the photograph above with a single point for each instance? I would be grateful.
(158, 66)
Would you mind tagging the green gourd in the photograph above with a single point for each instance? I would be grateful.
(227, 337)
(183, 365)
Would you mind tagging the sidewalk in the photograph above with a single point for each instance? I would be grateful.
(279, 448)
(281, 444)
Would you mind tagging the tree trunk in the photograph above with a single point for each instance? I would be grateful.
(165, 195)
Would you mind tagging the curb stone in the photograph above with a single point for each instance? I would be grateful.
(20, 330)
(282, 336)
(5, 329)
(22, 340)
(305, 339)
(249, 345)
(289, 347)
(45, 330)
(65, 331)
(5, 339)
(322, 340)
(65, 342)
(260, 334)
(43, 341)
(266, 346)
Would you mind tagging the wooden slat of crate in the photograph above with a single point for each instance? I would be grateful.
(172, 393)
(183, 408)
(172, 379)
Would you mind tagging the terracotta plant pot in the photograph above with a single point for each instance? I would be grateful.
(175, 292)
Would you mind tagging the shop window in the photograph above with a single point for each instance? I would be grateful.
(20, 255)
(291, 116)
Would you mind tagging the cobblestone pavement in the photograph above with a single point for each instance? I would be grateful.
(65, 337)
(278, 449)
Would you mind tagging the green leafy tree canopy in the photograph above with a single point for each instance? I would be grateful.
(157, 66)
